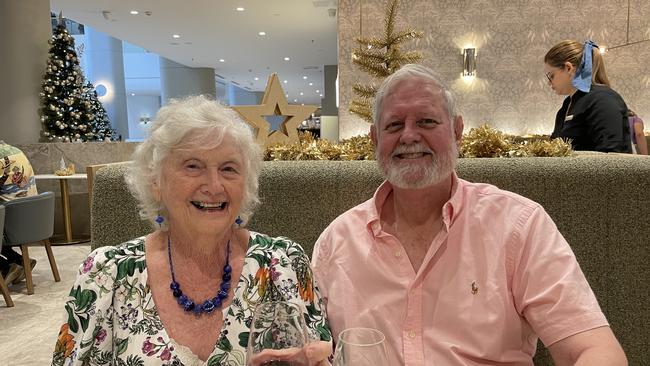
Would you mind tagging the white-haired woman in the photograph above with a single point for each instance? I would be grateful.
(185, 294)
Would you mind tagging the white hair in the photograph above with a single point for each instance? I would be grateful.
(192, 122)
(412, 71)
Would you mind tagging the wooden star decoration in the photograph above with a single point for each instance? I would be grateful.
(274, 103)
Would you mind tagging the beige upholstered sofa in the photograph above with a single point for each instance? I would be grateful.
(601, 203)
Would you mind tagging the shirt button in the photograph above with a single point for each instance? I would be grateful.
(412, 334)
(398, 254)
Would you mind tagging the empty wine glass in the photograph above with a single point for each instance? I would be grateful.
(361, 347)
(277, 335)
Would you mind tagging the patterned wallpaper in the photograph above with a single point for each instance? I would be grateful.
(510, 91)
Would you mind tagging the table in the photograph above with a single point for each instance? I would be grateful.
(65, 203)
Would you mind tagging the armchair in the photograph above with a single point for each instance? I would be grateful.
(31, 220)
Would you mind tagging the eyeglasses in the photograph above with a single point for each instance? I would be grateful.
(550, 75)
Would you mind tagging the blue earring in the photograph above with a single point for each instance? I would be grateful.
(159, 220)
(238, 221)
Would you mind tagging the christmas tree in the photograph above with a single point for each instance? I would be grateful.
(66, 114)
(100, 125)
(381, 57)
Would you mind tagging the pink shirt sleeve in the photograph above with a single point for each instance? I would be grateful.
(548, 286)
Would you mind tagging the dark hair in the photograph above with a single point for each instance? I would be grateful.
(571, 51)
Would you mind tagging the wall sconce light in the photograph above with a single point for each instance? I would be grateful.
(469, 61)
(144, 118)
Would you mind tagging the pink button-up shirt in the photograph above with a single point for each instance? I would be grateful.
(497, 275)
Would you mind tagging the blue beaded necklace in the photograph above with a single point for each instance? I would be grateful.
(208, 305)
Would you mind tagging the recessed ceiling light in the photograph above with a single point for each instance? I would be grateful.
(285, 81)
(321, 95)
(295, 100)
(176, 36)
(310, 84)
(287, 59)
(222, 60)
(133, 94)
(256, 78)
(134, 12)
(305, 77)
(301, 93)
(262, 33)
(317, 91)
(287, 95)
(240, 8)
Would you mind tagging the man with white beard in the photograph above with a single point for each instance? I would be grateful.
(452, 272)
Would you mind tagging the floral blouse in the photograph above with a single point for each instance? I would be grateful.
(112, 319)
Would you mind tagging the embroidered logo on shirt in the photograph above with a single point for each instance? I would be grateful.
(474, 288)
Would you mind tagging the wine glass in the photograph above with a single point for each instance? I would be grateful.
(277, 335)
(361, 347)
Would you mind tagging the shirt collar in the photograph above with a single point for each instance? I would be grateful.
(449, 210)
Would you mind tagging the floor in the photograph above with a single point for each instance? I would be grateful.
(28, 331)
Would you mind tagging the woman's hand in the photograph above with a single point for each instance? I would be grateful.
(313, 354)
(318, 352)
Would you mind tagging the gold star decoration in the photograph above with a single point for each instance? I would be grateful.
(274, 103)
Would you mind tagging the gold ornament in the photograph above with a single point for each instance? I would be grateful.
(483, 141)
(308, 148)
(274, 103)
(487, 142)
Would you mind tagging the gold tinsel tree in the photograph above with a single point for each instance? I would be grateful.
(381, 57)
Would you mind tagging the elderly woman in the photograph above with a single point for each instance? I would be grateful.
(185, 294)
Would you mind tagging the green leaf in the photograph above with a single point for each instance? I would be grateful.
(85, 299)
(125, 268)
(134, 360)
(243, 339)
(261, 259)
(72, 322)
(224, 344)
(86, 343)
(121, 345)
(325, 334)
(84, 322)
(216, 360)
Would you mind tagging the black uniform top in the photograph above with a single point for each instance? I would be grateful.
(595, 121)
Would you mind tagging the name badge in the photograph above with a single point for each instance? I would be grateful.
(568, 118)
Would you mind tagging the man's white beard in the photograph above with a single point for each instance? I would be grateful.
(416, 175)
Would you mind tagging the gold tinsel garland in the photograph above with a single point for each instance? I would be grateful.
(480, 142)
(308, 148)
(487, 142)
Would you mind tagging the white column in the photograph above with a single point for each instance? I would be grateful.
(329, 120)
(105, 65)
(177, 81)
(24, 31)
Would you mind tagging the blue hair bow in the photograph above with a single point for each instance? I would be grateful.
(582, 78)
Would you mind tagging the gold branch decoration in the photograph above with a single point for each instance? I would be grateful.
(380, 57)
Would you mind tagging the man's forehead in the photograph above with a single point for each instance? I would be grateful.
(408, 94)
(412, 82)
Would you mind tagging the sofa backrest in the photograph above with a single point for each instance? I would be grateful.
(600, 204)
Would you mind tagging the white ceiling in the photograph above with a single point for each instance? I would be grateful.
(209, 30)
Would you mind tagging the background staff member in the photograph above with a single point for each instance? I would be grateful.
(593, 116)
